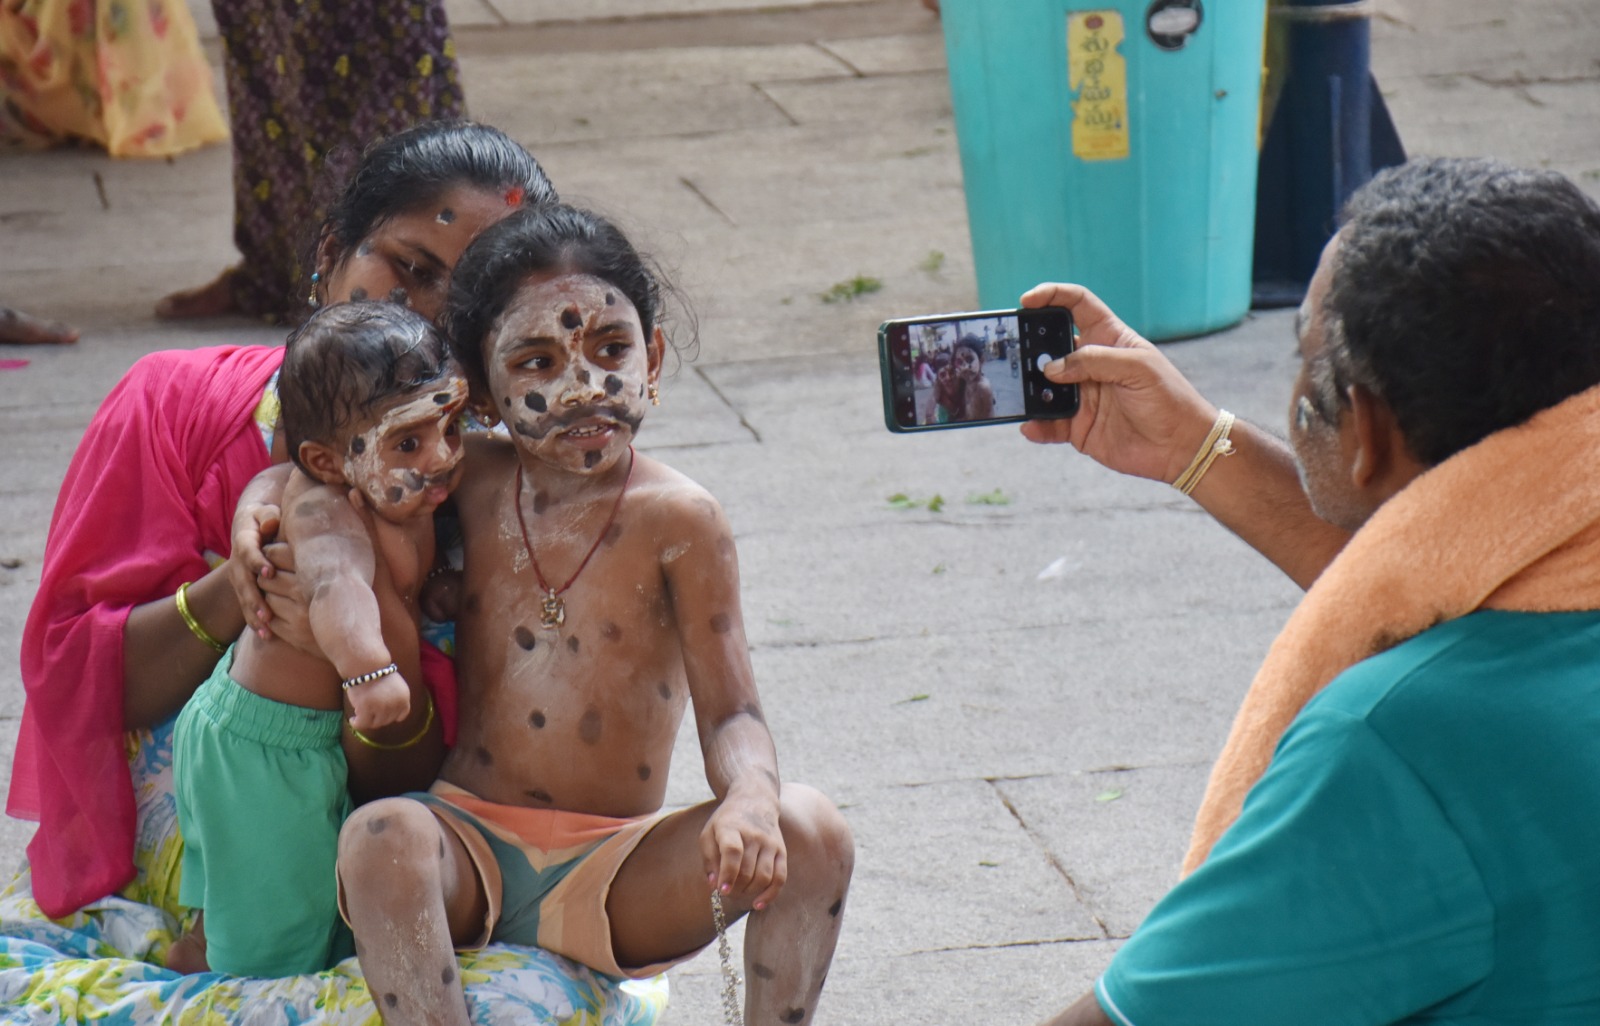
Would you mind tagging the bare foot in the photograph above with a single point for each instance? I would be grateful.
(18, 328)
(213, 299)
(188, 953)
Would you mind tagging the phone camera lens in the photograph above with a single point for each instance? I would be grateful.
(1048, 395)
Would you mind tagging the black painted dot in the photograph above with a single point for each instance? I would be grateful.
(722, 623)
(590, 458)
(572, 644)
(415, 480)
(644, 772)
(447, 975)
(391, 1000)
(506, 401)
(611, 300)
(540, 503)
(763, 971)
(610, 631)
(664, 690)
(535, 402)
(537, 719)
(613, 534)
(441, 397)
(446, 216)
(473, 603)
(357, 294)
(793, 1015)
(484, 756)
(589, 727)
(613, 384)
(641, 391)
(833, 910)
(358, 445)
(399, 295)
(540, 796)
(378, 826)
(526, 638)
(396, 493)
(583, 376)
(570, 319)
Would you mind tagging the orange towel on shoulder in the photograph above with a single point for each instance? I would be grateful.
(1510, 523)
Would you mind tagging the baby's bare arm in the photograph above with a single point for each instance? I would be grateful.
(336, 563)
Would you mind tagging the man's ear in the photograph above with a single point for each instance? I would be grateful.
(657, 352)
(323, 462)
(1380, 460)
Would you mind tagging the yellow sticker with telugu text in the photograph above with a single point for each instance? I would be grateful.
(1098, 74)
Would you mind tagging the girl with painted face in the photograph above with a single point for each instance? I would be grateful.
(603, 603)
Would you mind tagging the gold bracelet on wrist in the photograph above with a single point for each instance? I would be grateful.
(193, 624)
(1216, 444)
(380, 746)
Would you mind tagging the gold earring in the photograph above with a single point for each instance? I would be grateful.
(655, 395)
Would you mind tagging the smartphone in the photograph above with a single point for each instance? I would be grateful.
(965, 369)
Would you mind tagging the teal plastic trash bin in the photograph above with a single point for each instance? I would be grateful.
(1112, 143)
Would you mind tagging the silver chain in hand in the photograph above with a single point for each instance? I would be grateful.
(731, 1013)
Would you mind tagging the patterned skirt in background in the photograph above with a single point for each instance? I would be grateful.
(128, 75)
(311, 83)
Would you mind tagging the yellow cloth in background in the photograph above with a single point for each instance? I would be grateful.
(126, 74)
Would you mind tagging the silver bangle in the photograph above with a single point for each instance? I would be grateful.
(367, 677)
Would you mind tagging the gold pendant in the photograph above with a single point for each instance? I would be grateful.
(554, 611)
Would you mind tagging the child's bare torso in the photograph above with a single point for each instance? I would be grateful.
(403, 554)
(580, 717)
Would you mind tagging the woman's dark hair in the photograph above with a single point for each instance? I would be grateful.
(1466, 294)
(410, 169)
(347, 360)
(540, 240)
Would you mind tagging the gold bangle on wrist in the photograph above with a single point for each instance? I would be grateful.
(1216, 444)
(193, 624)
(380, 746)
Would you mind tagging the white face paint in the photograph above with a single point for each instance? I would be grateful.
(407, 461)
(570, 366)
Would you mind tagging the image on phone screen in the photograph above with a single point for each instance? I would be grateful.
(967, 370)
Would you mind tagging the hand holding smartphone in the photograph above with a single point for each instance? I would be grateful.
(966, 369)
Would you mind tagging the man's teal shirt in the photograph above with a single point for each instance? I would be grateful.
(1424, 848)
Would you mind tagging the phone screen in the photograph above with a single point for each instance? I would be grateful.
(966, 370)
(957, 370)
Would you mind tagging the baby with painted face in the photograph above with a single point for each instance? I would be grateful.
(600, 601)
(371, 403)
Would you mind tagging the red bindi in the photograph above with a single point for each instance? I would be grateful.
(514, 196)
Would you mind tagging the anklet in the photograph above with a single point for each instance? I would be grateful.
(382, 671)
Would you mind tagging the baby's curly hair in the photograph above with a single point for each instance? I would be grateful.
(348, 359)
